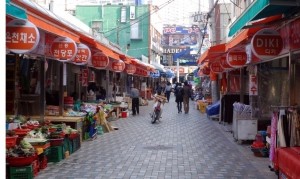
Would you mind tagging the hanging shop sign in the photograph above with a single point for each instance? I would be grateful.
(22, 36)
(92, 76)
(99, 60)
(216, 67)
(295, 35)
(224, 64)
(267, 44)
(130, 69)
(83, 55)
(84, 77)
(253, 89)
(236, 59)
(118, 66)
(63, 49)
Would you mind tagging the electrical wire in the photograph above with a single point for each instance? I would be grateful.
(140, 18)
(227, 11)
(235, 4)
(205, 27)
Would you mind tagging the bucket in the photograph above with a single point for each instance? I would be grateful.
(124, 114)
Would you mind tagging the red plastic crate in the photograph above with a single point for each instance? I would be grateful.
(43, 162)
(35, 166)
(56, 142)
(11, 141)
(20, 161)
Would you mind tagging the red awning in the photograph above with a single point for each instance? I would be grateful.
(212, 52)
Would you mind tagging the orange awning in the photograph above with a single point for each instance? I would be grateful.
(212, 52)
(245, 35)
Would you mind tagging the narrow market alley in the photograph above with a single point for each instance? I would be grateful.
(180, 146)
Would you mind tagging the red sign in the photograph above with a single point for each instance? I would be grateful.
(224, 63)
(236, 59)
(118, 66)
(130, 69)
(295, 35)
(100, 60)
(253, 90)
(84, 77)
(267, 44)
(83, 55)
(22, 36)
(216, 67)
(63, 49)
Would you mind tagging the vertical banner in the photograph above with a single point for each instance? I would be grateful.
(84, 77)
(253, 90)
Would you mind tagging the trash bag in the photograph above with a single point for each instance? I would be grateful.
(213, 109)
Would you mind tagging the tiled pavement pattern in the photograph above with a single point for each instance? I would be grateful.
(180, 146)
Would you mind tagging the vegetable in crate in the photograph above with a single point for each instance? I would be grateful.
(10, 133)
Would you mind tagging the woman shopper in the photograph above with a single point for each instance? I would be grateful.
(179, 97)
(186, 97)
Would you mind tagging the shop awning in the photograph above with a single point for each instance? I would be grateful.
(212, 52)
(261, 9)
(15, 11)
(159, 67)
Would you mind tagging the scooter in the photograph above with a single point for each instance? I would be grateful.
(157, 108)
(156, 114)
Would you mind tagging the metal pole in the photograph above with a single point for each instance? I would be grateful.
(177, 69)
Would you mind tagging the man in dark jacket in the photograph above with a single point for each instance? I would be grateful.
(186, 96)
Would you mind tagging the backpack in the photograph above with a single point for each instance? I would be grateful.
(179, 92)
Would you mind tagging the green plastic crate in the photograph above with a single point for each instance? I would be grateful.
(71, 150)
(56, 154)
(76, 143)
(21, 172)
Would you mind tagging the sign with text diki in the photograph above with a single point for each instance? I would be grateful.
(99, 60)
(130, 69)
(216, 67)
(236, 59)
(117, 66)
(267, 44)
(83, 55)
(84, 77)
(22, 36)
(63, 49)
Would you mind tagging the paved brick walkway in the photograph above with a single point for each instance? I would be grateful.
(180, 146)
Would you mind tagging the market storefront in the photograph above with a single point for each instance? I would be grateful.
(267, 63)
(54, 73)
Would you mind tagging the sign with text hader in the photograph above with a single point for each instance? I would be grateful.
(267, 44)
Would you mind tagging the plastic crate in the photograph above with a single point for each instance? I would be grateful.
(75, 143)
(55, 154)
(21, 172)
(70, 146)
(36, 167)
(43, 162)
(56, 142)
(11, 141)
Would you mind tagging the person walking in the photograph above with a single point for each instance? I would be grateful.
(135, 94)
(179, 97)
(168, 91)
(186, 97)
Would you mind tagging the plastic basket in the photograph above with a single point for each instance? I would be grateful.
(11, 141)
(21, 132)
(73, 135)
(20, 161)
(21, 172)
(75, 144)
(55, 154)
(35, 167)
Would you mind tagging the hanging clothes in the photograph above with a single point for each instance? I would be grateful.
(273, 136)
(295, 129)
(280, 128)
